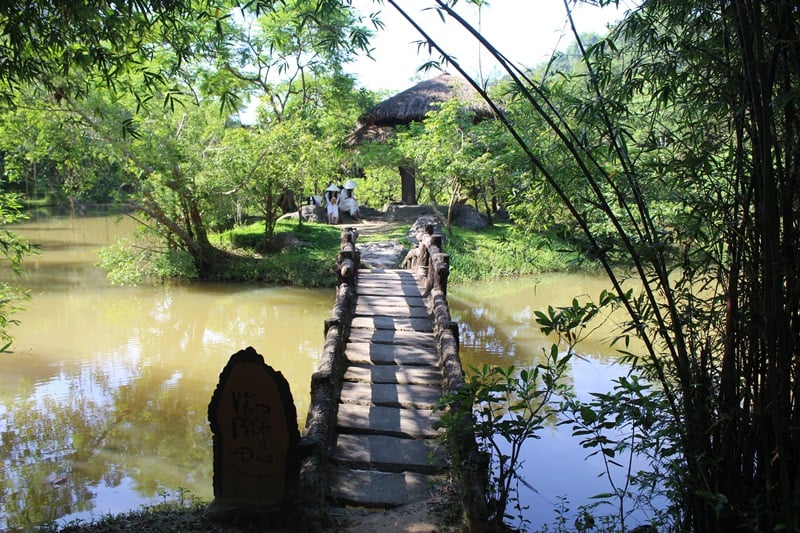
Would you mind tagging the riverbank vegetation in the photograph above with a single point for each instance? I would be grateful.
(684, 169)
(668, 146)
(501, 251)
(305, 255)
(298, 254)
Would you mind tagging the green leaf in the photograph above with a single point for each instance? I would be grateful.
(588, 415)
(603, 496)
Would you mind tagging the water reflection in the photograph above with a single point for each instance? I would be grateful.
(497, 327)
(67, 249)
(498, 323)
(103, 401)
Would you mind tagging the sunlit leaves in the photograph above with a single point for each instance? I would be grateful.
(279, 55)
(51, 43)
(573, 323)
(454, 158)
(509, 405)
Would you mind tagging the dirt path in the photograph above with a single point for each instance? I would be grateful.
(419, 517)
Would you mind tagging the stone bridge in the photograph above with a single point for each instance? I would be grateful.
(390, 353)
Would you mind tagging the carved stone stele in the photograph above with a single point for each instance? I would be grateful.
(256, 441)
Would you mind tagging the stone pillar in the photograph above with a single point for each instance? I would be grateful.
(256, 440)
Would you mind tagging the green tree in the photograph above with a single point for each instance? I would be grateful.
(289, 58)
(439, 149)
(164, 132)
(63, 47)
(456, 160)
(263, 167)
(49, 154)
(47, 43)
(746, 191)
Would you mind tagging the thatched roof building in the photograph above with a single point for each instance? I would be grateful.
(413, 105)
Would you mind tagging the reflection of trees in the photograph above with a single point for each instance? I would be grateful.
(42, 444)
(490, 336)
(139, 410)
(56, 450)
(497, 322)
(481, 340)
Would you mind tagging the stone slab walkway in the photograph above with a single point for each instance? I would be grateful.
(386, 452)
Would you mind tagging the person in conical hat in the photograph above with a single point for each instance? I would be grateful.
(331, 190)
(348, 202)
(332, 203)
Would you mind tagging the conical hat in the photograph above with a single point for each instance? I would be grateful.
(332, 188)
(350, 184)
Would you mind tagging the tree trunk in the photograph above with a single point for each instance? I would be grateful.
(408, 183)
(192, 238)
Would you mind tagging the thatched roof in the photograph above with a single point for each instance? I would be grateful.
(412, 105)
(369, 134)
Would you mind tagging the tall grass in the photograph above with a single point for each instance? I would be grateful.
(500, 251)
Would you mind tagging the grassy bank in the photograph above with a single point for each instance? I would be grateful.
(500, 251)
(491, 253)
(183, 512)
(299, 254)
(305, 255)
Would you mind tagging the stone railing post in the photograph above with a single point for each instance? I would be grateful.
(326, 382)
(349, 257)
(472, 472)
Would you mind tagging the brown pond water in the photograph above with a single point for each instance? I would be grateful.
(103, 399)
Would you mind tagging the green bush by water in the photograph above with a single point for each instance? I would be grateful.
(309, 263)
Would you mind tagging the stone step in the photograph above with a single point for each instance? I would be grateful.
(370, 310)
(366, 353)
(390, 301)
(386, 452)
(404, 290)
(389, 454)
(375, 489)
(393, 323)
(389, 287)
(420, 339)
(385, 273)
(394, 374)
(396, 276)
(390, 395)
(392, 421)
